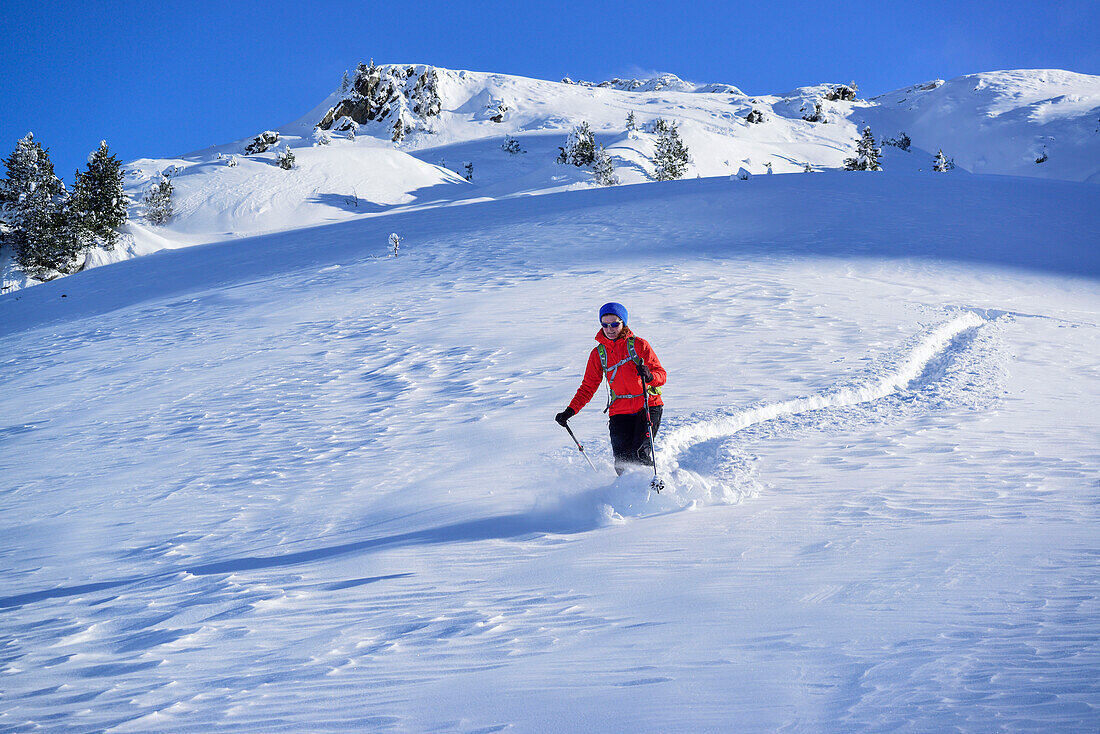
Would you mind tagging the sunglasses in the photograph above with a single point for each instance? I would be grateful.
(611, 324)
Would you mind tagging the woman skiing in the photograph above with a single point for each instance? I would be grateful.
(630, 366)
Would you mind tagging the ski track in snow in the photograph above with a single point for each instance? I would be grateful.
(699, 472)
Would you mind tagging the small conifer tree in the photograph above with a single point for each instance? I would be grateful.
(941, 163)
(580, 146)
(285, 159)
(469, 168)
(631, 123)
(395, 243)
(902, 141)
(867, 154)
(511, 145)
(603, 170)
(671, 158)
(158, 201)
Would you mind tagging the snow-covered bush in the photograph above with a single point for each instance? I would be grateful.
(511, 145)
(902, 141)
(1043, 157)
(468, 167)
(603, 170)
(671, 158)
(321, 137)
(158, 201)
(285, 159)
(425, 95)
(262, 142)
(755, 116)
(867, 154)
(818, 115)
(942, 164)
(580, 146)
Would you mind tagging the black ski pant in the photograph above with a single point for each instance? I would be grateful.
(628, 439)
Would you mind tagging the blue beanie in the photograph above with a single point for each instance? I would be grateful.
(613, 308)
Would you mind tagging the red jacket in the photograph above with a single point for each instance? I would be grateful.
(626, 380)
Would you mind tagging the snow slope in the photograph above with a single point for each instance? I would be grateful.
(1003, 122)
(286, 483)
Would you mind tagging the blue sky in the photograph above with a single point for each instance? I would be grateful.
(156, 79)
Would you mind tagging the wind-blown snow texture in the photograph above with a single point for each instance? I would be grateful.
(288, 483)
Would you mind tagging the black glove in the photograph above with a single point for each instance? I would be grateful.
(643, 371)
(564, 416)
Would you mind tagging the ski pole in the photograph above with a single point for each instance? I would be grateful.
(657, 484)
(566, 427)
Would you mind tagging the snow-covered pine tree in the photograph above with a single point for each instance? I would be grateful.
(603, 170)
(671, 158)
(867, 154)
(345, 85)
(631, 122)
(395, 243)
(511, 145)
(469, 168)
(285, 159)
(580, 146)
(98, 202)
(425, 95)
(158, 201)
(941, 163)
(321, 136)
(35, 207)
(902, 141)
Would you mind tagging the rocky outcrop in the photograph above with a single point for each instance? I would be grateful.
(262, 142)
(380, 92)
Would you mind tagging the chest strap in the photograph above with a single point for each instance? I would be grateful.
(610, 372)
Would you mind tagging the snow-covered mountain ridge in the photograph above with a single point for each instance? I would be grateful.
(451, 126)
(997, 122)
